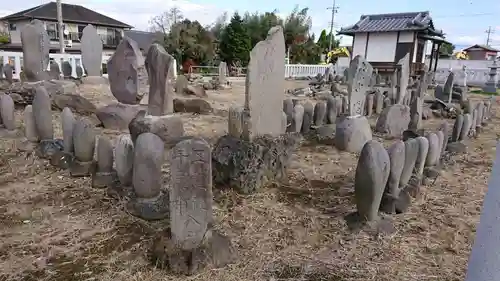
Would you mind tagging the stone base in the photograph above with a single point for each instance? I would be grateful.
(81, 169)
(151, 208)
(396, 205)
(458, 147)
(47, 148)
(215, 252)
(393, 120)
(383, 225)
(248, 165)
(9, 134)
(352, 133)
(103, 179)
(430, 175)
(25, 145)
(325, 134)
(167, 127)
(94, 80)
(119, 191)
(62, 160)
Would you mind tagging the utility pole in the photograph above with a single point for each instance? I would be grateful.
(489, 32)
(334, 9)
(61, 27)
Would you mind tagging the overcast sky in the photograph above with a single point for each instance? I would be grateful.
(464, 21)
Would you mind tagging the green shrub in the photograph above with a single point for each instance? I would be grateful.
(4, 38)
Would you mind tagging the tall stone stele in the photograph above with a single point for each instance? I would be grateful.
(192, 243)
(159, 64)
(265, 88)
(354, 131)
(91, 53)
(36, 45)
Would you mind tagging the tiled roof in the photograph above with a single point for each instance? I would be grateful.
(391, 22)
(71, 13)
(143, 39)
(485, 47)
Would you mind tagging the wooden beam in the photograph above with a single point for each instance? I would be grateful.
(396, 47)
(366, 45)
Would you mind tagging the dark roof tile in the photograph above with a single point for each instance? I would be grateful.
(143, 39)
(391, 22)
(71, 13)
(485, 47)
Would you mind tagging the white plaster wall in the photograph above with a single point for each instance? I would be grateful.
(359, 45)
(382, 46)
(405, 37)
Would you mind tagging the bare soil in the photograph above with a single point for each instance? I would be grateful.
(57, 228)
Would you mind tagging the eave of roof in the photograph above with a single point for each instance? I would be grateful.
(414, 21)
(49, 7)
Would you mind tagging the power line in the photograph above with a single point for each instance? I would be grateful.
(489, 32)
(334, 9)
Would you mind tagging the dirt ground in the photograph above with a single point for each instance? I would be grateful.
(53, 227)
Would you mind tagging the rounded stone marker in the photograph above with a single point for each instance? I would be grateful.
(372, 173)
(124, 158)
(7, 112)
(84, 140)
(104, 155)
(42, 114)
(148, 159)
(29, 124)
(68, 122)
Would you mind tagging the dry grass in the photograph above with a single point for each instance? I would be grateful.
(56, 228)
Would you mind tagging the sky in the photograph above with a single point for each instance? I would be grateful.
(463, 21)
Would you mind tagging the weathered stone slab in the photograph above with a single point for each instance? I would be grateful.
(36, 46)
(360, 73)
(124, 68)
(91, 51)
(235, 121)
(191, 193)
(404, 75)
(158, 65)
(265, 86)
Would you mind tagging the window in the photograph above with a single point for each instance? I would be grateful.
(80, 32)
(52, 31)
(12, 27)
(491, 57)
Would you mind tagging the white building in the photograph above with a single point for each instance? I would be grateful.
(386, 38)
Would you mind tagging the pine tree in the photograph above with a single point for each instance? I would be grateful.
(235, 42)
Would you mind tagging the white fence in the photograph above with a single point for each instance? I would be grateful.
(476, 71)
(16, 60)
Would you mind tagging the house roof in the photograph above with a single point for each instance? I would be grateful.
(414, 21)
(143, 39)
(484, 47)
(71, 13)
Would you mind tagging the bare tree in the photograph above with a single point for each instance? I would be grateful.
(164, 21)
